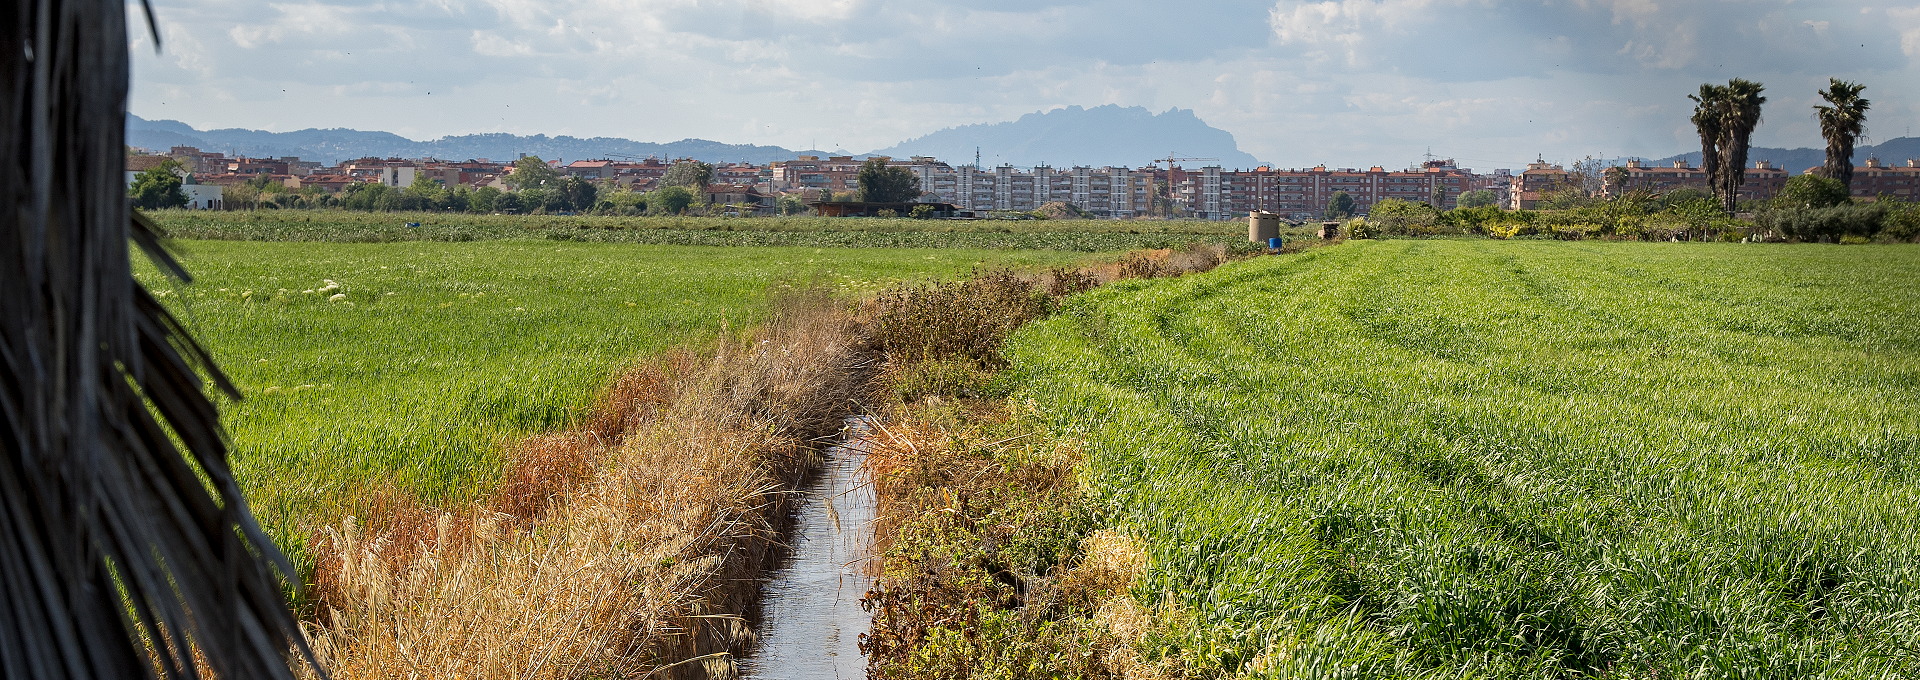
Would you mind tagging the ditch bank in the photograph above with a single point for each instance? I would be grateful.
(640, 543)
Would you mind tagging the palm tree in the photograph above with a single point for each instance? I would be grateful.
(121, 554)
(1841, 123)
(1708, 120)
(1743, 115)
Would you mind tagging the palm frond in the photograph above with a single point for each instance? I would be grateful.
(120, 553)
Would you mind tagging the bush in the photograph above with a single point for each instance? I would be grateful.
(1405, 218)
(968, 319)
(1811, 191)
(1864, 220)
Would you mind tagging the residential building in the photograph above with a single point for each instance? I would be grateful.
(1759, 183)
(1876, 179)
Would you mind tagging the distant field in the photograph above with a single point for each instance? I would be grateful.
(1513, 459)
(810, 232)
(440, 351)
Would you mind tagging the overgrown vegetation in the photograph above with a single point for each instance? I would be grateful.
(992, 564)
(1480, 459)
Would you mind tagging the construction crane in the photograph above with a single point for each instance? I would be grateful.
(1170, 160)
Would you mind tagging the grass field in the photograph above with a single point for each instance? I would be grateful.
(1508, 459)
(809, 232)
(437, 353)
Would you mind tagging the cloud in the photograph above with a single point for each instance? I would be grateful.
(1340, 81)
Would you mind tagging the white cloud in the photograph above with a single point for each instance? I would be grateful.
(1347, 82)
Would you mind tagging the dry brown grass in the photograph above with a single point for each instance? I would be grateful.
(614, 551)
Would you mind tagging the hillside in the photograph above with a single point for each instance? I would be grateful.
(1892, 152)
(337, 144)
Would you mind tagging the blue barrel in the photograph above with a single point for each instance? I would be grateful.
(1273, 244)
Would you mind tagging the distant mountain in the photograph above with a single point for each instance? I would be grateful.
(1894, 151)
(1103, 135)
(338, 144)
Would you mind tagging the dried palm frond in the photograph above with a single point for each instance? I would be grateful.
(121, 554)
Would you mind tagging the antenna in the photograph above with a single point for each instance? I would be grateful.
(976, 158)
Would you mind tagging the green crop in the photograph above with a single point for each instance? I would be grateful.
(435, 355)
(1508, 459)
(809, 232)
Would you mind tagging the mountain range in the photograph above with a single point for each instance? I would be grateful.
(1103, 135)
(1894, 151)
(337, 144)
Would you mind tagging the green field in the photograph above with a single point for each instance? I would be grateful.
(808, 232)
(1512, 459)
(439, 352)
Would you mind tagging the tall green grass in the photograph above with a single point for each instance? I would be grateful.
(1514, 460)
(439, 353)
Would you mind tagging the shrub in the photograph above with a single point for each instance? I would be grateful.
(968, 319)
(1405, 218)
(1811, 191)
(1827, 224)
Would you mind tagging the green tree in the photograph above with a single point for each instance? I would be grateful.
(530, 172)
(1476, 199)
(1842, 121)
(158, 187)
(791, 204)
(424, 194)
(483, 200)
(1339, 206)
(670, 200)
(1437, 196)
(690, 174)
(1742, 116)
(1708, 122)
(1811, 191)
(577, 194)
(883, 183)
(1725, 117)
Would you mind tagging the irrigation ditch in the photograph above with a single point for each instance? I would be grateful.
(694, 527)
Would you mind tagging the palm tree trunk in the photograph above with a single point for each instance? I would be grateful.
(120, 554)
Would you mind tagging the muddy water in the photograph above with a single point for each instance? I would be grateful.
(810, 620)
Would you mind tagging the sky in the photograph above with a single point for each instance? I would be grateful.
(1343, 82)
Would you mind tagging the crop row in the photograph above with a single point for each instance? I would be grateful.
(1487, 459)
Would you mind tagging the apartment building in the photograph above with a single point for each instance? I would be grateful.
(835, 173)
(1760, 182)
(1876, 179)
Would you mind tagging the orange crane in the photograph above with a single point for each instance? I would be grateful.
(1170, 160)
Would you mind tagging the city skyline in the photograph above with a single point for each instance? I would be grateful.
(1343, 83)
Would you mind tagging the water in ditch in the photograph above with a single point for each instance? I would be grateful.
(810, 620)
